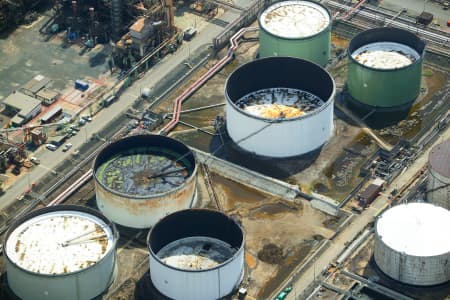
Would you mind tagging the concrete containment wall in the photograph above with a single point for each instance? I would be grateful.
(248, 177)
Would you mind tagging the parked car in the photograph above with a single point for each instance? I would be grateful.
(51, 147)
(67, 147)
(35, 160)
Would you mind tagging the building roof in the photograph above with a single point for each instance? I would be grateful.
(36, 84)
(23, 103)
(439, 158)
(47, 94)
(17, 120)
(418, 229)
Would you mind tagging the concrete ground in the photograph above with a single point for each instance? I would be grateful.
(26, 53)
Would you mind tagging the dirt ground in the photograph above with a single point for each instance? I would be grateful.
(279, 233)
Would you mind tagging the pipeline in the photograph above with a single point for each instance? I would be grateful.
(71, 189)
(234, 41)
(350, 12)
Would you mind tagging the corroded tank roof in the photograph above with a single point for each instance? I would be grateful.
(295, 19)
(439, 158)
(59, 242)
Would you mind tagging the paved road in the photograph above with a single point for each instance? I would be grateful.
(49, 159)
(358, 224)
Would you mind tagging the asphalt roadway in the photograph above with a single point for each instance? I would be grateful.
(358, 223)
(50, 159)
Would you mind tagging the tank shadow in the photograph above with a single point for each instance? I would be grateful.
(224, 147)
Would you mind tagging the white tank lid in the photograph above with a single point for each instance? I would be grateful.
(417, 229)
(59, 242)
(385, 55)
(295, 19)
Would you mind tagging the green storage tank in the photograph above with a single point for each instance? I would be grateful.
(300, 29)
(385, 68)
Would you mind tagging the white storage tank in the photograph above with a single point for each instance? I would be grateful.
(142, 178)
(299, 29)
(196, 254)
(412, 244)
(279, 107)
(438, 186)
(61, 252)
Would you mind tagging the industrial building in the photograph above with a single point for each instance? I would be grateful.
(142, 178)
(438, 186)
(60, 252)
(412, 244)
(196, 254)
(385, 68)
(285, 113)
(21, 107)
(371, 192)
(299, 29)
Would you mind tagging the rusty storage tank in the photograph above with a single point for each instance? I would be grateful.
(142, 178)
(412, 244)
(196, 254)
(295, 28)
(285, 110)
(61, 252)
(438, 187)
(385, 68)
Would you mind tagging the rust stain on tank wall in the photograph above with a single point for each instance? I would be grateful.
(170, 202)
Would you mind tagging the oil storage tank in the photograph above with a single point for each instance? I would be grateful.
(299, 29)
(412, 244)
(438, 186)
(385, 68)
(279, 106)
(60, 252)
(140, 179)
(196, 254)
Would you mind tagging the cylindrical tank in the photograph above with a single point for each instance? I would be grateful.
(279, 106)
(385, 68)
(299, 29)
(61, 252)
(142, 178)
(196, 254)
(412, 244)
(438, 186)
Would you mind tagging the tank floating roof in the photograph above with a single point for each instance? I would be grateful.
(281, 73)
(388, 36)
(295, 19)
(59, 241)
(385, 55)
(195, 226)
(439, 158)
(416, 229)
(144, 165)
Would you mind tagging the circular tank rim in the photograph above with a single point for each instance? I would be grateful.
(376, 35)
(327, 102)
(149, 196)
(326, 29)
(385, 244)
(436, 159)
(63, 207)
(201, 210)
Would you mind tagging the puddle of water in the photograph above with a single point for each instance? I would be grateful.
(236, 193)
